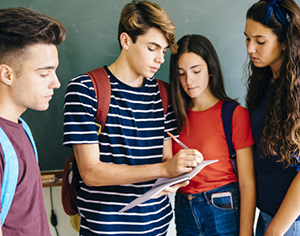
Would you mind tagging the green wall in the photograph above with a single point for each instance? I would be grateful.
(92, 42)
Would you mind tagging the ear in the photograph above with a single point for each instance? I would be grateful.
(125, 40)
(7, 74)
(284, 46)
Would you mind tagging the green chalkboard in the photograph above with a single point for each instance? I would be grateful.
(92, 42)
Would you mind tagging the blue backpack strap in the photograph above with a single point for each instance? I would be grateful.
(29, 134)
(11, 169)
(228, 108)
(10, 175)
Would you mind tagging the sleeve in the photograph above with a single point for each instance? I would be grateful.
(79, 111)
(241, 129)
(170, 122)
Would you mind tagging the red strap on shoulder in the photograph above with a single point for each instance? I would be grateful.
(164, 93)
(102, 88)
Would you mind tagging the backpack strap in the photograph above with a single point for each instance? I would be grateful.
(228, 108)
(11, 169)
(102, 88)
(29, 134)
(10, 175)
(164, 89)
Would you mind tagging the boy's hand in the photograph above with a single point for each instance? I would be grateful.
(184, 161)
(171, 189)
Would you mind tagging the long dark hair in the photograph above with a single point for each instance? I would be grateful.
(281, 134)
(201, 46)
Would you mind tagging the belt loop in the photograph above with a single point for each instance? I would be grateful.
(205, 196)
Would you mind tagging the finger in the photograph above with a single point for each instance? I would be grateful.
(195, 155)
(192, 164)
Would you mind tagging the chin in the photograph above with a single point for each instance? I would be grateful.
(41, 108)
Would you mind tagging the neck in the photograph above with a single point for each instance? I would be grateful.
(204, 103)
(8, 109)
(123, 72)
(275, 68)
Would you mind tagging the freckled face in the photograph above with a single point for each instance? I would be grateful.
(146, 55)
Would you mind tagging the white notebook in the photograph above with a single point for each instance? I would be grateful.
(163, 183)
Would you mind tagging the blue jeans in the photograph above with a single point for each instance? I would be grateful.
(264, 220)
(196, 215)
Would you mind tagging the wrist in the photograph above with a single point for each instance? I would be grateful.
(163, 170)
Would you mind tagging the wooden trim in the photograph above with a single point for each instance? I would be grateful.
(58, 178)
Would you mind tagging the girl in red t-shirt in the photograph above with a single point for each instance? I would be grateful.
(213, 203)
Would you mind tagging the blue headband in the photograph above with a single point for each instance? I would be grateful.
(279, 12)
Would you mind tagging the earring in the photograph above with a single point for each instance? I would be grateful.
(210, 75)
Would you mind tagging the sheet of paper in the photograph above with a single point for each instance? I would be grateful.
(163, 183)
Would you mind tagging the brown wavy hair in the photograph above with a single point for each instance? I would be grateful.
(281, 134)
(139, 16)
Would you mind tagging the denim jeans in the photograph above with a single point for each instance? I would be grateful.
(264, 220)
(196, 215)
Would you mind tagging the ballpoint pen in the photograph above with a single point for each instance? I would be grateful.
(177, 140)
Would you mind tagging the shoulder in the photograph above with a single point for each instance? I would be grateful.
(240, 111)
(81, 87)
(82, 80)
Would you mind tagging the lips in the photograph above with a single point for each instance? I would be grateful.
(191, 88)
(49, 96)
(154, 69)
(254, 59)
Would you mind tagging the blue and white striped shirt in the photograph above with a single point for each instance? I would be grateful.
(133, 135)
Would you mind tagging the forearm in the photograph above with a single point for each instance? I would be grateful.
(247, 190)
(104, 174)
(288, 210)
(247, 209)
(97, 173)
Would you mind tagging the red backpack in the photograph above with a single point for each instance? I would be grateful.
(70, 178)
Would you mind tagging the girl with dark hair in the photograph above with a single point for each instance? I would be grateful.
(273, 40)
(213, 203)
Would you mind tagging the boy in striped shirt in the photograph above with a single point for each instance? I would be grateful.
(133, 147)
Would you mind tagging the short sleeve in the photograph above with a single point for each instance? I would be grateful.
(79, 111)
(170, 122)
(241, 129)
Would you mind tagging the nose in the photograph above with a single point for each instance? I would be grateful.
(188, 79)
(55, 84)
(160, 57)
(250, 47)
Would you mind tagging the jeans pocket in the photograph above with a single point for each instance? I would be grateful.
(226, 200)
(222, 200)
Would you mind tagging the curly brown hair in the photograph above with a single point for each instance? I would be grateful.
(281, 134)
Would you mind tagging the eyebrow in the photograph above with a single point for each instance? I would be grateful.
(46, 68)
(256, 36)
(192, 67)
(157, 45)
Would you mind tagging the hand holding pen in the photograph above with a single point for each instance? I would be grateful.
(193, 156)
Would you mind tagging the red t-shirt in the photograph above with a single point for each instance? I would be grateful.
(206, 134)
(27, 213)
